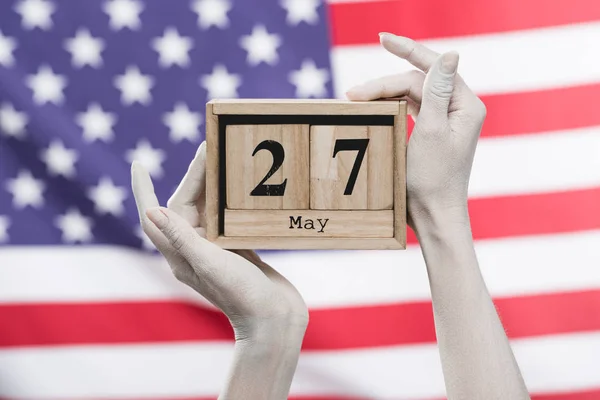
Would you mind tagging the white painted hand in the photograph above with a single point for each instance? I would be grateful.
(253, 295)
(448, 119)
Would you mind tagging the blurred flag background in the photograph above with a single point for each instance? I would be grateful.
(89, 311)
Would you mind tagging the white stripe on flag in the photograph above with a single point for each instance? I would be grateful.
(516, 266)
(554, 161)
(493, 63)
(195, 369)
(86, 273)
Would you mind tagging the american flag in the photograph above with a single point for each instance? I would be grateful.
(89, 310)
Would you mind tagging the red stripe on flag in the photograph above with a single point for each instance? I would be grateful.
(329, 329)
(585, 395)
(579, 395)
(358, 23)
(412, 323)
(538, 111)
(114, 322)
(541, 111)
(535, 214)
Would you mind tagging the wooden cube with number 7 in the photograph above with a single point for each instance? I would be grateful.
(306, 174)
(351, 167)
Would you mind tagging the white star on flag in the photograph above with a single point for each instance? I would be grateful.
(85, 49)
(35, 13)
(124, 13)
(96, 123)
(134, 86)
(47, 86)
(183, 123)
(301, 11)
(108, 198)
(309, 80)
(7, 46)
(220, 83)
(26, 190)
(172, 48)
(261, 46)
(12, 122)
(75, 227)
(212, 13)
(59, 160)
(149, 157)
(4, 225)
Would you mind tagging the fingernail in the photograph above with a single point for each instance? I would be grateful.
(449, 62)
(353, 93)
(383, 35)
(201, 147)
(158, 217)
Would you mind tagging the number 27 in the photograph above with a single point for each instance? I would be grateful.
(278, 153)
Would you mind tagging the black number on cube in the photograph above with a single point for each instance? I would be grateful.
(359, 145)
(278, 153)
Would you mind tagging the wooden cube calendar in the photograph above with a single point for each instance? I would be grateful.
(306, 174)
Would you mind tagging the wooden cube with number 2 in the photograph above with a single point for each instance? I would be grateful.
(304, 174)
(267, 166)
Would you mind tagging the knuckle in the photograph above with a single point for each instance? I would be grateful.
(410, 51)
(413, 74)
(441, 89)
(179, 275)
(438, 95)
(384, 88)
(177, 241)
(176, 238)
